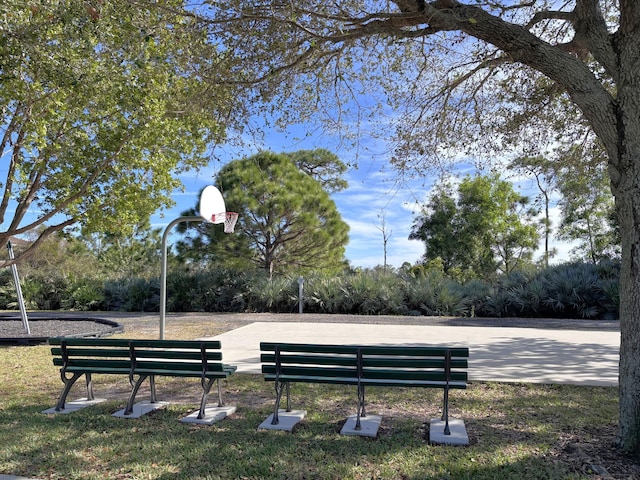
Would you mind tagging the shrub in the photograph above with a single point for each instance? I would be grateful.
(323, 293)
(277, 294)
(132, 295)
(373, 293)
(44, 293)
(84, 294)
(574, 290)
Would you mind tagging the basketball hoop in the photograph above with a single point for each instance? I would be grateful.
(228, 218)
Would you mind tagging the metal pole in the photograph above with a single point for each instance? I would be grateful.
(300, 297)
(163, 269)
(16, 279)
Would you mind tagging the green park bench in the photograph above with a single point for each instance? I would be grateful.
(362, 366)
(139, 360)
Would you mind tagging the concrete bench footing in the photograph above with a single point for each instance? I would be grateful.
(368, 426)
(140, 409)
(75, 405)
(211, 415)
(458, 432)
(287, 420)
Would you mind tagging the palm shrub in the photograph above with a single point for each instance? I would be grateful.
(323, 293)
(8, 296)
(450, 299)
(84, 294)
(185, 291)
(144, 295)
(574, 290)
(275, 294)
(510, 297)
(430, 292)
(372, 292)
(44, 292)
(115, 294)
(497, 305)
(476, 294)
(132, 295)
(223, 289)
(419, 291)
(581, 290)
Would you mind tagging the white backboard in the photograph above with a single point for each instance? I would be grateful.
(212, 205)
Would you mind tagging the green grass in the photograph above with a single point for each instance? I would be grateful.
(516, 431)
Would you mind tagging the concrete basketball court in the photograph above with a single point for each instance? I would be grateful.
(505, 354)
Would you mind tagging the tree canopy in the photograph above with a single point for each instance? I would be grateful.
(478, 230)
(102, 108)
(287, 222)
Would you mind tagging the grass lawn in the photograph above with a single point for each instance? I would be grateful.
(518, 431)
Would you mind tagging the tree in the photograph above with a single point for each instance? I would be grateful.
(471, 76)
(585, 201)
(386, 235)
(60, 256)
(287, 223)
(101, 108)
(541, 169)
(134, 255)
(322, 165)
(478, 231)
(587, 209)
(436, 227)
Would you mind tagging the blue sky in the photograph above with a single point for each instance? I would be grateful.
(373, 191)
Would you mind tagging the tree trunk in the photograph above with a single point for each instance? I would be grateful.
(628, 206)
(625, 177)
(627, 194)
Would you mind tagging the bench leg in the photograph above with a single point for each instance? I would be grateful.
(206, 386)
(280, 386)
(445, 412)
(361, 409)
(68, 383)
(220, 401)
(89, 386)
(152, 385)
(288, 397)
(134, 391)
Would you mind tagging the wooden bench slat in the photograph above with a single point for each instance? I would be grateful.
(183, 373)
(389, 361)
(413, 375)
(403, 350)
(308, 348)
(178, 344)
(413, 362)
(311, 359)
(396, 350)
(349, 380)
(89, 363)
(79, 342)
(92, 352)
(390, 382)
(180, 355)
(178, 366)
(311, 371)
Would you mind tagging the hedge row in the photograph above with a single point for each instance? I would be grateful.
(574, 290)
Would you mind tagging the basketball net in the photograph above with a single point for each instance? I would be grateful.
(228, 218)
